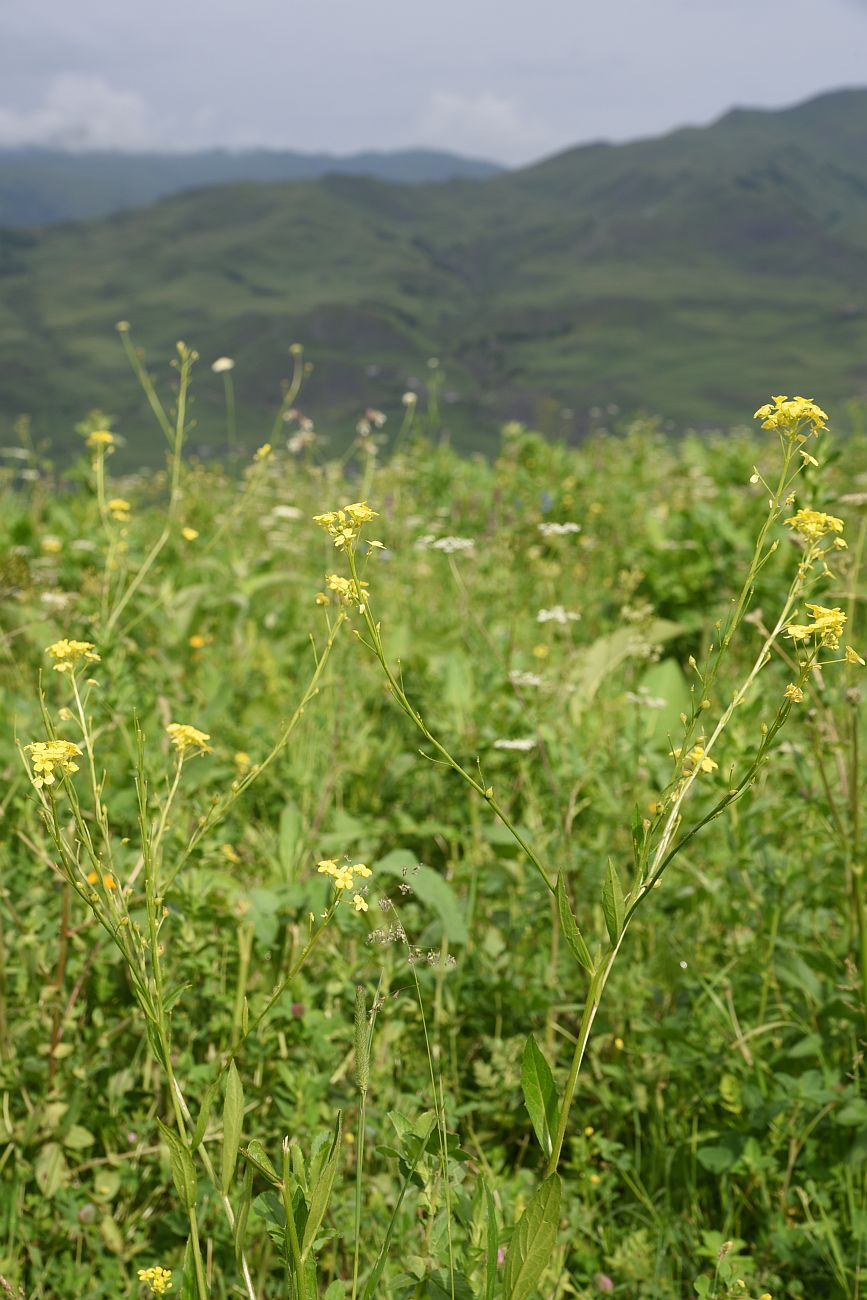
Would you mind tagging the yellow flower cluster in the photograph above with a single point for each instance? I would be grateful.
(790, 416)
(46, 755)
(344, 879)
(185, 737)
(263, 452)
(793, 693)
(158, 1279)
(813, 524)
(696, 758)
(347, 590)
(343, 525)
(119, 509)
(100, 438)
(827, 625)
(68, 653)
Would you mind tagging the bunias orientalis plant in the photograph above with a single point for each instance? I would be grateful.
(71, 785)
(810, 641)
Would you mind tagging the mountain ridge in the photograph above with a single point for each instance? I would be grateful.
(688, 275)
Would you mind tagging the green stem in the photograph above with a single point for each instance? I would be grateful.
(359, 1167)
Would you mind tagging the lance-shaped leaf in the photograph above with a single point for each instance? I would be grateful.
(612, 902)
(533, 1241)
(569, 927)
(320, 1194)
(258, 1158)
(540, 1094)
(183, 1169)
(233, 1115)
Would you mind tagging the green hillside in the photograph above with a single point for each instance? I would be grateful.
(688, 275)
(44, 186)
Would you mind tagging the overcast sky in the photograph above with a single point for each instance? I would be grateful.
(510, 80)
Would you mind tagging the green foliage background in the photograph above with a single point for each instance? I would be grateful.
(723, 1099)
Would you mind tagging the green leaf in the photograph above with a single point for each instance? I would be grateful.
(491, 1241)
(533, 1241)
(336, 1291)
(540, 1094)
(243, 1212)
(716, 1159)
(204, 1114)
(183, 1169)
(430, 888)
(50, 1169)
(320, 1194)
(258, 1158)
(233, 1116)
(569, 927)
(612, 902)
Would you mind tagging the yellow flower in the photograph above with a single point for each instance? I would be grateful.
(349, 592)
(196, 641)
(242, 758)
(46, 755)
(158, 1279)
(51, 546)
(321, 598)
(827, 625)
(791, 417)
(67, 653)
(100, 438)
(696, 758)
(185, 737)
(852, 656)
(813, 524)
(189, 534)
(359, 903)
(264, 452)
(108, 881)
(343, 525)
(794, 693)
(119, 509)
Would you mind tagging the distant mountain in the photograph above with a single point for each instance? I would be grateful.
(690, 275)
(44, 186)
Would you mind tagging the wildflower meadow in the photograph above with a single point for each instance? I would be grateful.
(433, 877)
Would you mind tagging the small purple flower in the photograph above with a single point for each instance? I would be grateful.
(501, 1254)
(603, 1283)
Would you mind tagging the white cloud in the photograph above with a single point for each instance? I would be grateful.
(482, 125)
(80, 111)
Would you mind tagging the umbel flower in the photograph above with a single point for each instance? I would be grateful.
(185, 737)
(46, 755)
(69, 653)
(344, 525)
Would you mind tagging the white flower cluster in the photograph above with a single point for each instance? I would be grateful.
(523, 744)
(525, 679)
(558, 530)
(557, 614)
(448, 545)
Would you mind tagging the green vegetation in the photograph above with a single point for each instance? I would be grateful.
(43, 186)
(684, 275)
(222, 1054)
